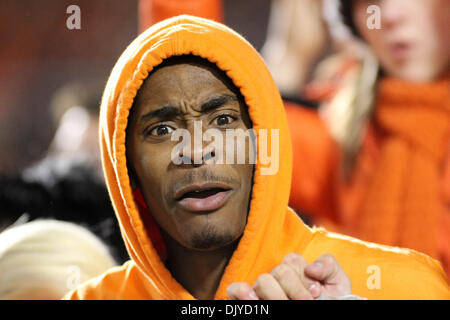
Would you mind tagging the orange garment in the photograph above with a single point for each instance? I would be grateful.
(153, 11)
(273, 230)
(398, 193)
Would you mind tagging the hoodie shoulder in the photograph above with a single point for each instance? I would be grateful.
(118, 283)
(382, 272)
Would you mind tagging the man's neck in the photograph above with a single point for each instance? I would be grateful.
(199, 272)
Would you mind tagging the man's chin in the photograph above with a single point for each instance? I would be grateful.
(210, 239)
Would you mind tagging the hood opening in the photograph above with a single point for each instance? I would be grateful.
(151, 226)
(233, 55)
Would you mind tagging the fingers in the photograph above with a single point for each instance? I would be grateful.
(268, 288)
(241, 291)
(291, 283)
(265, 287)
(298, 264)
(287, 281)
(327, 270)
(296, 280)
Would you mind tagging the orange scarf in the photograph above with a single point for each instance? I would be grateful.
(402, 205)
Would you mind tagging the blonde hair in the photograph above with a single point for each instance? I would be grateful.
(347, 114)
(45, 259)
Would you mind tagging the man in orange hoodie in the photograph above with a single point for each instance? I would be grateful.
(195, 222)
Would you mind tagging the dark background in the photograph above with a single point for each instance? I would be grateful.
(39, 54)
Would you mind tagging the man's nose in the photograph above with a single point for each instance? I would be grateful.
(200, 151)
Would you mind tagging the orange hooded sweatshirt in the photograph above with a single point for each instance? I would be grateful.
(273, 230)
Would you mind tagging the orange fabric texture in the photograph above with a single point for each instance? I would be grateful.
(399, 190)
(273, 230)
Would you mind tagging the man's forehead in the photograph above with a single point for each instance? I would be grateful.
(185, 77)
(188, 78)
(190, 63)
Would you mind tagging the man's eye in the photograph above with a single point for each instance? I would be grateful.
(224, 120)
(161, 130)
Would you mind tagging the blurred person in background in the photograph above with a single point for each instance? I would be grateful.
(74, 108)
(67, 184)
(374, 162)
(297, 38)
(43, 260)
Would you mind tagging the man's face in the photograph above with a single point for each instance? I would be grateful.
(201, 206)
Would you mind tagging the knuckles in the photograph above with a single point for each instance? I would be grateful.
(243, 290)
(263, 281)
(282, 272)
(327, 259)
(294, 258)
(238, 290)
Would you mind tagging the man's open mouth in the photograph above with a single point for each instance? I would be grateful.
(203, 198)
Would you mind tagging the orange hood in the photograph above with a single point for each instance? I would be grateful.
(272, 230)
(241, 62)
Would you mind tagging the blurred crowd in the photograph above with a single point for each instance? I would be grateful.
(368, 107)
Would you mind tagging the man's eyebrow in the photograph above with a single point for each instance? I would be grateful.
(217, 102)
(168, 112)
(162, 113)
